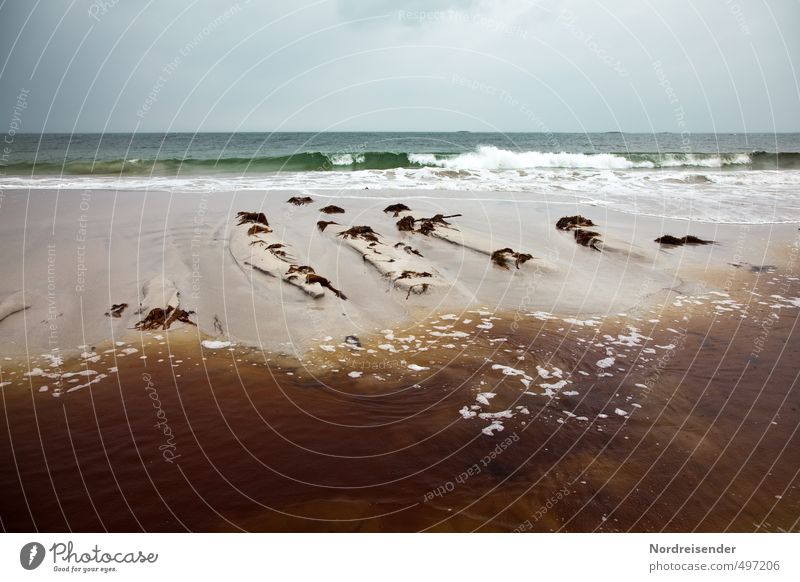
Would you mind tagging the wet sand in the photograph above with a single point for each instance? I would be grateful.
(691, 427)
(73, 255)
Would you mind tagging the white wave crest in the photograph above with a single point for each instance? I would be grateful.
(423, 159)
(345, 159)
(494, 158)
(678, 160)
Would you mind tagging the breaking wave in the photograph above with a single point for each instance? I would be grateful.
(482, 158)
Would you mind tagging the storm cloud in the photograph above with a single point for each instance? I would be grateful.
(120, 65)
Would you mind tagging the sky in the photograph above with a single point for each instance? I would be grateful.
(400, 65)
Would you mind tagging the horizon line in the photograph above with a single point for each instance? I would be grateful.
(318, 132)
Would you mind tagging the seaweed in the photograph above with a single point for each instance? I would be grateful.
(248, 217)
(116, 310)
(406, 223)
(396, 209)
(159, 318)
(668, 239)
(352, 341)
(413, 275)
(570, 222)
(332, 210)
(323, 224)
(363, 232)
(302, 269)
(312, 278)
(587, 238)
(429, 225)
(417, 289)
(258, 229)
(502, 257)
(408, 248)
(300, 200)
(218, 325)
(274, 248)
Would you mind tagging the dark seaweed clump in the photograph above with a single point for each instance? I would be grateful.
(414, 274)
(363, 232)
(256, 217)
(116, 310)
(570, 222)
(408, 248)
(587, 238)
(668, 239)
(503, 257)
(332, 210)
(426, 225)
(312, 278)
(258, 229)
(396, 209)
(323, 224)
(159, 318)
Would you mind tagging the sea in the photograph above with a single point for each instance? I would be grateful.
(728, 178)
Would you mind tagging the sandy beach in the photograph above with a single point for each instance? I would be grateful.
(73, 255)
(618, 386)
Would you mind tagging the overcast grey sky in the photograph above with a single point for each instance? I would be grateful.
(507, 65)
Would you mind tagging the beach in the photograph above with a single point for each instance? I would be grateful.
(295, 378)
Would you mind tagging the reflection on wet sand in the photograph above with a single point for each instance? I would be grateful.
(676, 416)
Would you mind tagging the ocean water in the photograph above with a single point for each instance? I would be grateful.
(753, 178)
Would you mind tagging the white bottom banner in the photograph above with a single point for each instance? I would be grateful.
(353, 557)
